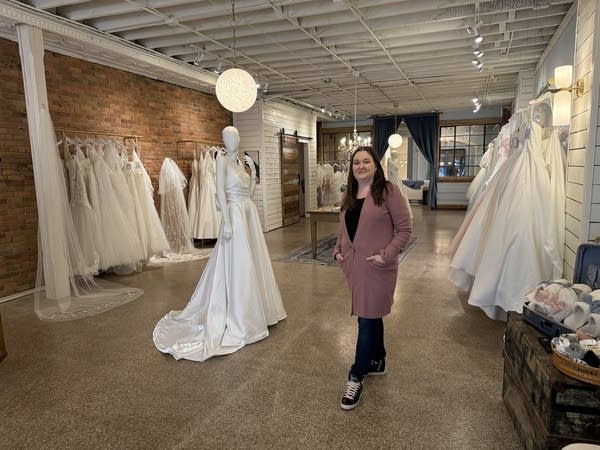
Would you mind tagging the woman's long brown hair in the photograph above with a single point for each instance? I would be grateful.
(379, 186)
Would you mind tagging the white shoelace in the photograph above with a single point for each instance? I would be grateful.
(352, 388)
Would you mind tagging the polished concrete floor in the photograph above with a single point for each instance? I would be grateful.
(99, 382)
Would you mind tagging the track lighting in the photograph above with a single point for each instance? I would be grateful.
(480, 69)
(478, 39)
(322, 109)
(478, 53)
(199, 57)
(479, 65)
(475, 61)
(475, 100)
(219, 67)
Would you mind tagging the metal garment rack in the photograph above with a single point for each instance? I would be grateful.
(183, 155)
(65, 132)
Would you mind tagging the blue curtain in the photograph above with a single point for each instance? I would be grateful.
(424, 130)
(383, 129)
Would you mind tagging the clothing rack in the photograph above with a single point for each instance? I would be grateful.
(65, 132)
(182, 153)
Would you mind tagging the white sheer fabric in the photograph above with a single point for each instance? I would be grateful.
(237, 296)
(65, 289)
(173, 212)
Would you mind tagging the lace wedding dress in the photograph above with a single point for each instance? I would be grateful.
(237, 296)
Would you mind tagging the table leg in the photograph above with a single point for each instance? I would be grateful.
(313, 235)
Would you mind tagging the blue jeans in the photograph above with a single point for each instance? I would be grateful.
(369, 347)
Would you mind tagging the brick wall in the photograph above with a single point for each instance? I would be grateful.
(86, 96)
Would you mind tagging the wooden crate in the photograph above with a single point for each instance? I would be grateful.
(549, 409)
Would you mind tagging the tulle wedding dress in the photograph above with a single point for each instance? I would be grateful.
(237, 296)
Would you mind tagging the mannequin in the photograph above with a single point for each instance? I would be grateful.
(231, 139)
(237, 296)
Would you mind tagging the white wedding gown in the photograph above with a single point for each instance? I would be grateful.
(237, 296)
(508, 246)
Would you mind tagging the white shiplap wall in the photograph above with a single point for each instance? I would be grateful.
(525, 89)
(583, 170)
(259, 129)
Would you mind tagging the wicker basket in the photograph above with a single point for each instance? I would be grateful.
(574, 369)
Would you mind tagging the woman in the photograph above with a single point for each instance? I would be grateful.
(375, 226)
(237, 297)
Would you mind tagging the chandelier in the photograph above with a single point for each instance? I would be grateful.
(350, 145)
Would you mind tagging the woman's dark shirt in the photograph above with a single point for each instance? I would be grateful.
(352, 217)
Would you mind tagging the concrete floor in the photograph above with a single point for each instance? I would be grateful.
(99, 382)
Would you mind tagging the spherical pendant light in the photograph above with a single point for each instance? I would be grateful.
(395, 141)
(236, 90)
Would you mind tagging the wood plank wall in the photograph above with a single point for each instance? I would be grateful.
(270, 118)
(583, 171)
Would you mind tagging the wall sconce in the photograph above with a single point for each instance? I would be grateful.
(561, 102)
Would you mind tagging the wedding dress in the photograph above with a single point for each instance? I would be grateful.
(504, 251)
(209, 217)
(173, 212)
(237, 296)
(193, 198)
(151, 233)
(121, 245)
(84, 218)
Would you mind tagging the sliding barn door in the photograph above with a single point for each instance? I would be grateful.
(290, 179)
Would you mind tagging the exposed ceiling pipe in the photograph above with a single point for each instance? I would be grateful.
(362, 20)
(204, 36)
(280, 11)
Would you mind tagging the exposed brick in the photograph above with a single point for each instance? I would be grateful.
(86, 96)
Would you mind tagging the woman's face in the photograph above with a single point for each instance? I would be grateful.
(363, 167)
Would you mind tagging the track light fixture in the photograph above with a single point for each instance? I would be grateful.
(199, 58)
(478, 39)
(475, 61)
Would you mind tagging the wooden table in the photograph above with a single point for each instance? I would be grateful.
(324, 214)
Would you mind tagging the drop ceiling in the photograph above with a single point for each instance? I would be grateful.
(406, 56)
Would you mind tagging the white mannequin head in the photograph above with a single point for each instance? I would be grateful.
(231, 139)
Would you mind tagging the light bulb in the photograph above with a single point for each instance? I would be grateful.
(478, 38)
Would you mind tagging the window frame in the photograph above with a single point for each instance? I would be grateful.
(460, 123)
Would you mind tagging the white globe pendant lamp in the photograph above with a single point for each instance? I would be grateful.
(235, 88)
(395, 141)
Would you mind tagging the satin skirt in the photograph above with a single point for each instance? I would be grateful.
(235, 300)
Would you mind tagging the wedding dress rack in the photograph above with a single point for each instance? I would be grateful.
(183, 153)
(64, 133)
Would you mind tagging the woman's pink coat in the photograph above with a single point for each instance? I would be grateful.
(383, 230)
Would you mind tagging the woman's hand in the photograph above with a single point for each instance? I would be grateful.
(250, 163)
(227, 230)
(377, 258)
(338, 257)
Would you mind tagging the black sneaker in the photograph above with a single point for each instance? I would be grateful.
(352, 394)
(377, 367)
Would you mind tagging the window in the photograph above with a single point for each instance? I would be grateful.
(462, 146)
